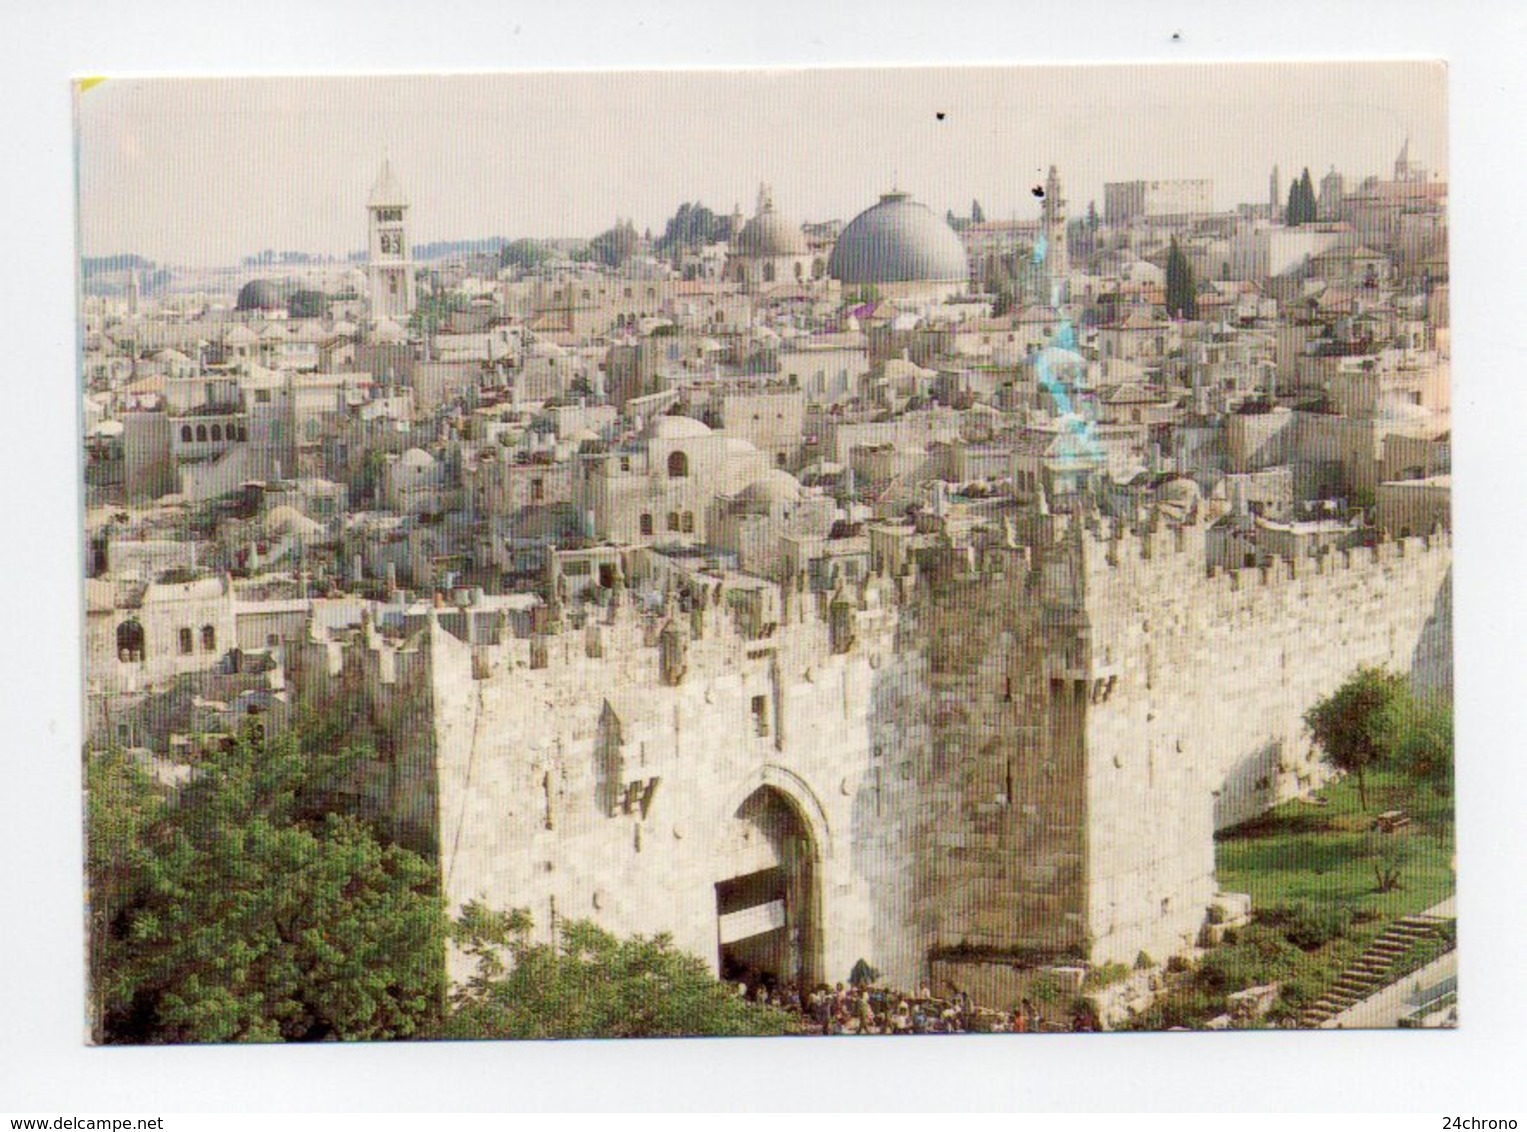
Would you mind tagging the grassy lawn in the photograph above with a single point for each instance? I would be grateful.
(1309, 869)
(1300, 852)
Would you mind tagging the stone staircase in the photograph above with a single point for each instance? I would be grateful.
(1372, 971)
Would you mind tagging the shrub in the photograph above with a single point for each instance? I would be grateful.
(1308, 926)
(1143, 961)
(1177, 964)
(1104, 976)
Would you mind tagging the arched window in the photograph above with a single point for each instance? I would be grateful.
(187, 642)
(678, 465)
(201, 433)
(217, 432)
(673, 520)
(799, 273)
(243, 432)
(208, 639)
(185, 433)
(646, 524)
(769, 272)
(130, 641)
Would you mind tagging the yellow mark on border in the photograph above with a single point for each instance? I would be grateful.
(82, 85)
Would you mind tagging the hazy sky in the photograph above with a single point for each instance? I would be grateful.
(199, 171)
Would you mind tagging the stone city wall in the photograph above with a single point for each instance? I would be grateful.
(1196, 722)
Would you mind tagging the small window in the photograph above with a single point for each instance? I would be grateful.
(646, 524)
(537, 490)
(208, 639)
(673, 520)
(678, 465)
(625, 463)
(760, 709)
(187, 643)
(262, 396)
(185, 434)
(201, 433)
(217, 432)
(689, 522)
(272, 640)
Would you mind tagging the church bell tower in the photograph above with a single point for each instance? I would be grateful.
(390, 266)
(1057, 265)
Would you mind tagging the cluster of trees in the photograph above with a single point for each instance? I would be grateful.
(589, 984)
(693, 226)
(614, 246)
(1301, 202)
(243, 906)
(1375, 719)
(433, 308)
(524, 254)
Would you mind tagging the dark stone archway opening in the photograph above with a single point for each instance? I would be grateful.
(768, 911)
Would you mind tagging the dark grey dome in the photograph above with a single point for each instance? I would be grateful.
(898, 241)
(261, 294)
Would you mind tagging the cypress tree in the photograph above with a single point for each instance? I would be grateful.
(1181, 290)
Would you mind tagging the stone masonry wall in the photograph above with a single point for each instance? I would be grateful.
(590, 788)
(1198, 722)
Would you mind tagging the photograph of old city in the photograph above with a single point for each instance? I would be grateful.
(819, 552)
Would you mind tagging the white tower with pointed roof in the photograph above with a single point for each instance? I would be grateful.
(390, 265)
(1057, 265)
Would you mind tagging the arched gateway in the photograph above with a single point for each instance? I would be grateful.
(768, 902)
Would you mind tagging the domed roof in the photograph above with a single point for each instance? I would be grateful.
(416, 458)
(898, 241)
(774, 486)
(675, 428)
(260, 295)
(769, 234)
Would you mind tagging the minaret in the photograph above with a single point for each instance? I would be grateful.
(390, 266)
(1057, 265)
(1274, 195)
(1402, 163)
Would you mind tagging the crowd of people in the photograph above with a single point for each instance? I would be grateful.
(870, 1009)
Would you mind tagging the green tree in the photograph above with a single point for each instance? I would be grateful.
(1181, 290)
(1301, 201)
(615, 245)
(591, 984)
(1420, 734)
(526, 255)
(1353, 724)
(693, 226)
(247, 912)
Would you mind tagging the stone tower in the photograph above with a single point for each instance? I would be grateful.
(1057, 266)
(390, 267)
